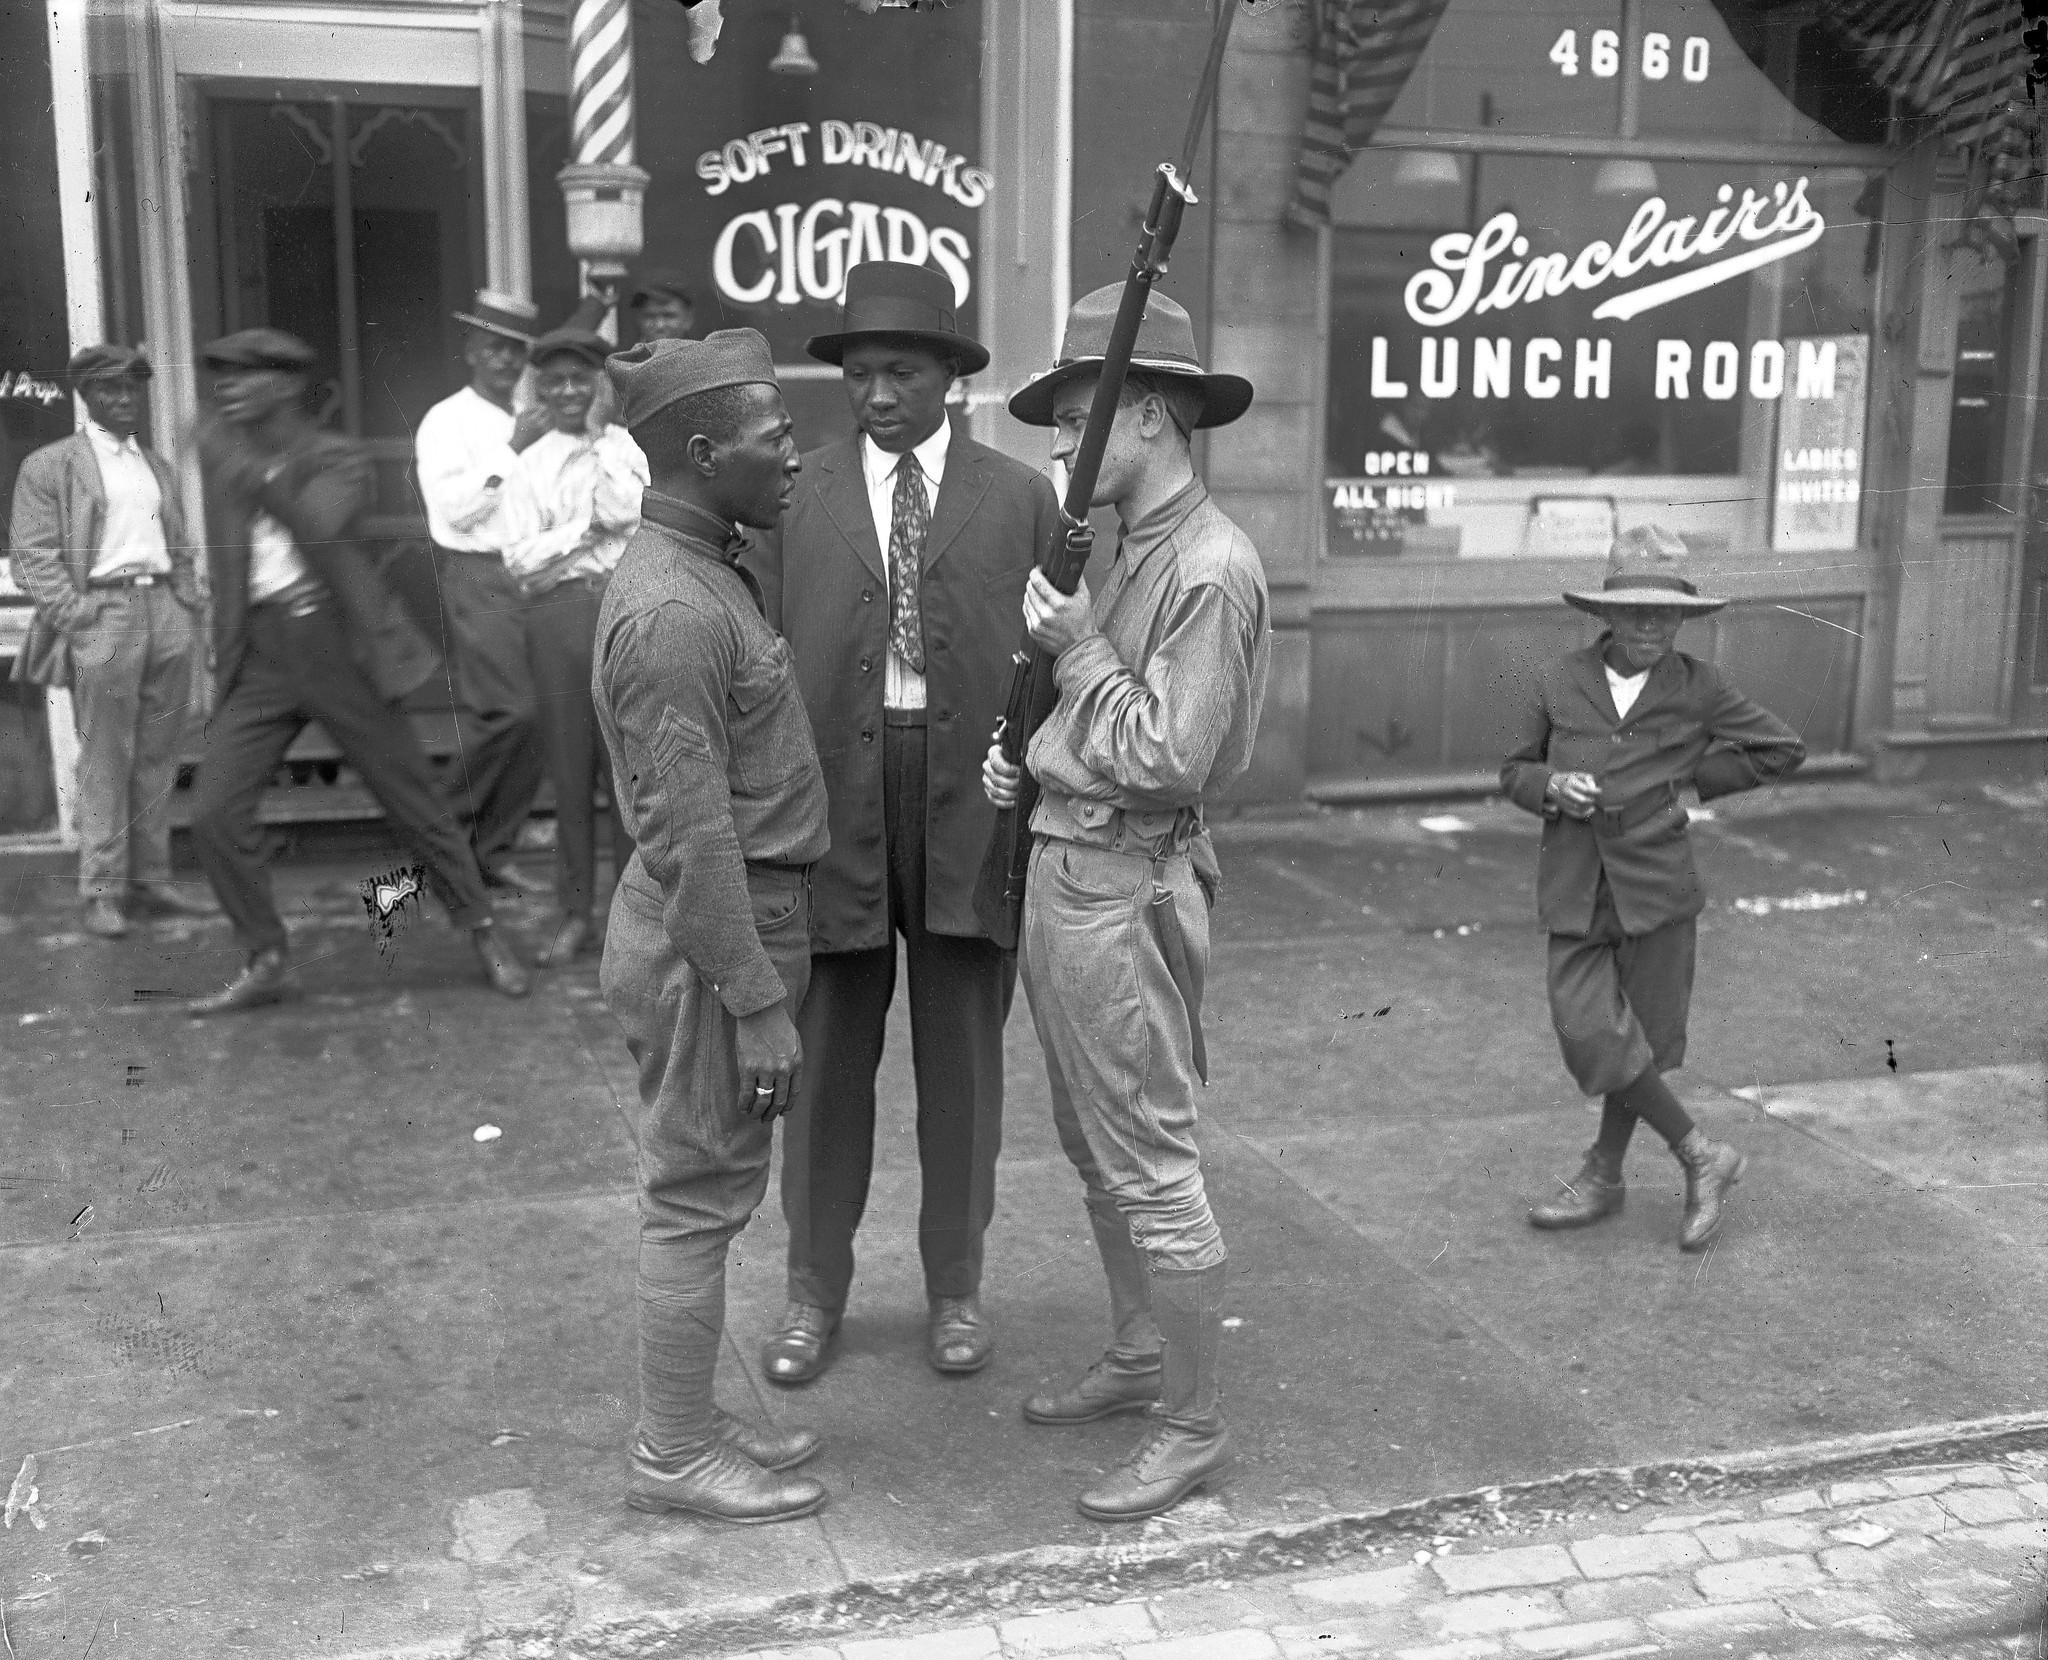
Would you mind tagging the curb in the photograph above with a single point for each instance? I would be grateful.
(1116, 1573)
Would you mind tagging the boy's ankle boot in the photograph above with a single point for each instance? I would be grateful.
(1712, 1168)
(1597, 1193)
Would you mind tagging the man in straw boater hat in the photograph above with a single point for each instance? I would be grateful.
(897, 580)
(1160, 683)
(708, 950)
(99, 545)
(1609, 736)
(466, 448)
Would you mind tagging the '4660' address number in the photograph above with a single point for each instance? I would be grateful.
(1603, 55)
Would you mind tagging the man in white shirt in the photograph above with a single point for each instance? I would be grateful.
(466, 448)
(898, 579)
(99, 545)
(570, 504)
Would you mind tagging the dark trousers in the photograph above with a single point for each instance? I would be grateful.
(498, 766)
(960, 993)
(561, 631)
(1619, 1001)
(298, 669)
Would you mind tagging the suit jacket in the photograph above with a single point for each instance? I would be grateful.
(1687, 725)
(60, 511)
(826, 588)
(326, 486)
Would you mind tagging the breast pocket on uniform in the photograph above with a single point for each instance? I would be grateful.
(767, 744)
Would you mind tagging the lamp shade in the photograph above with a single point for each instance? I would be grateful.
(1621, 176)
(1427, 170)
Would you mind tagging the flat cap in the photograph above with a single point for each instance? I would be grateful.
(258, 349)
(655, 373)
(108, 362)
(659, 279)
(570, 341)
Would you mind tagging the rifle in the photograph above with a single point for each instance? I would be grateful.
(999, 890)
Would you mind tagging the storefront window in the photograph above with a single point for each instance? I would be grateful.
(1987, 312)
(1548, 67)
(1523, 363)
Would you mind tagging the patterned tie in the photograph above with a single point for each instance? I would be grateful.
(910, 522)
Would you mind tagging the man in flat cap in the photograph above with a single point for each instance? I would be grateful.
(466, 448)
(304, 629)
(99, 545)
(661, 305)
(708, 949)
(897, 580)
(1160, 684)
(572, 500)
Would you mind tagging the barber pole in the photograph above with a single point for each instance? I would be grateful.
(602, 187)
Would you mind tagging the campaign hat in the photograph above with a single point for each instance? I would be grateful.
(258, 349)
(659, 279)
(889, 299)
(1165, 346)
(570, 341)
(108, 362)
(501, 314)
(1646, 566)
(654, 374)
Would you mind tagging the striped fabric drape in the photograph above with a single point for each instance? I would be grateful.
(1362, 53)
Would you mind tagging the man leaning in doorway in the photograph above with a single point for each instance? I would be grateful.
(467, 447)
(99, 546)
(897, 581)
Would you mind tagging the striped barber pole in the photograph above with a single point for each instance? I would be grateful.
(601, 82)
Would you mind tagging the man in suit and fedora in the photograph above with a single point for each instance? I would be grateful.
(897, 580)
(304, 629)
(99, 545)
(466, 449)
(1608, 736)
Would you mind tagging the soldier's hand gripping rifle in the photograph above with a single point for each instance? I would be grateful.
(999, 892)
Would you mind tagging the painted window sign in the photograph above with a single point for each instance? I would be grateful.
(1692, 57)
(833, 213)
(1817, 461)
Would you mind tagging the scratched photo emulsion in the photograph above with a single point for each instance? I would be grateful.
(1023, 829)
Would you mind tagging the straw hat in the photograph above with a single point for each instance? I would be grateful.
(1646, 566)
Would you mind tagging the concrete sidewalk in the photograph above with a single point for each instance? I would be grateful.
(306, 1369)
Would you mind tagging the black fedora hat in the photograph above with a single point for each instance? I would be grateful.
(1165, 346)
(886, 298)
(503, 315)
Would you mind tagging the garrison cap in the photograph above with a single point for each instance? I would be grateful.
(659, 279)
(569, 341)
(108, 362)
(654, 374)
(259, 349)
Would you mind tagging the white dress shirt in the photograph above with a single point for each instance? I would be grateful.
(903, 686)
(132, 540)
(1625, 689)
(275, 562)
(463, 443)
(570, 504)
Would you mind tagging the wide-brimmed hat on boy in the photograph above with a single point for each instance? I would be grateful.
(1647, 566)
(887, 299)
(501, 314)
(1165, 346)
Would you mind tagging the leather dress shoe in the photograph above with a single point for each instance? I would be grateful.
(261, 981)
(172, 900)
(104, 919)
(721, 1483)
(1712, 1168)
(767, 1446)
(509, 878)
(1103, 1389)
(1164, 1468)
(796, 1353)
(500, 967)
(572, 939)
(961, 1338)
(1597, 1194)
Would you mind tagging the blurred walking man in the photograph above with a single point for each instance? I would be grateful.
(708, 949)
(466, 447)
(897, 579)
(1160, 686)
(99, 544)
(304, 629)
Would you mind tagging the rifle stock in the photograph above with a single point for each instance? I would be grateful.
(999, 890)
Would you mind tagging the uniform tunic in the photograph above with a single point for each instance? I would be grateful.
(1157, 712)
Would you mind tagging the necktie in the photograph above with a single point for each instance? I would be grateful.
(910, 522)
